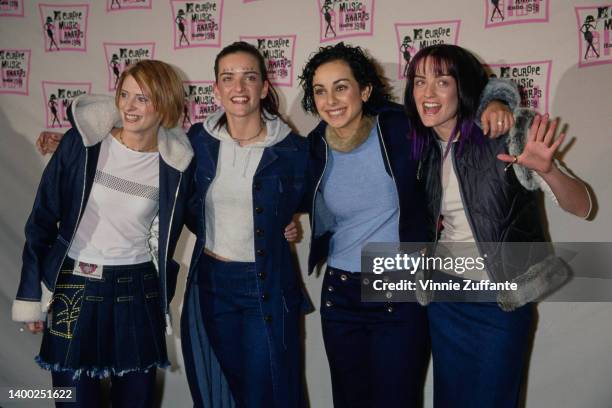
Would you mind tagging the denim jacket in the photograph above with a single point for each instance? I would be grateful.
(62, 197)
(278, 188)
(396, 148)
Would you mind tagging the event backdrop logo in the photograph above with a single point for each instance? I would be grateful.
(197, 23)
(343, 19)
(279, 54)
(411, 37)
(200, 101)
(532, 79)
(64, 26)
(118, 5)
(503, 12)
(11, 8)
(57, 98)
(120, 55)
(594, 42)
(15, 71)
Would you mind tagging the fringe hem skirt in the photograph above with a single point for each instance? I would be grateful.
(108, 326)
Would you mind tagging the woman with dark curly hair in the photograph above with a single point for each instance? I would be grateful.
(365, 189)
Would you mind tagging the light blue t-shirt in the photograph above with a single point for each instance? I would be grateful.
(363, 200)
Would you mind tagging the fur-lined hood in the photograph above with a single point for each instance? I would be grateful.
(95, 115)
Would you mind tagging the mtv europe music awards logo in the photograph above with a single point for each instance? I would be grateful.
(11, 8)
(57, 98)
(532, 79)
(279, 53)
(594, 40)
(411, 37)
(504, 12)
(200, 102)
(15, 71)
(343, 19)
(64, 27)
(120, 55)
(197, 23)
(119, 5)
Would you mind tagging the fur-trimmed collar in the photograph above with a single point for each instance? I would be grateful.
(346, 144)
(95, 115)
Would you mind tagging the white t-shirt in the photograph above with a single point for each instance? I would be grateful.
(455, 222)
(229, 203)
(123, 202)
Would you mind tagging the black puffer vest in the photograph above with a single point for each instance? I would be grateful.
(501, 212)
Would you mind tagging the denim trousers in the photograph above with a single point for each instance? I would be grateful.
(377, 352)
(236, 329)
(479, 353)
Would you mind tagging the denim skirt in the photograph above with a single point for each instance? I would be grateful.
(108, 326)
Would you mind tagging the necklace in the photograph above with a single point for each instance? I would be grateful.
(146, 150)
(261, 126)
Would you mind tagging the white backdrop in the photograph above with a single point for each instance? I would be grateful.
(538, 43)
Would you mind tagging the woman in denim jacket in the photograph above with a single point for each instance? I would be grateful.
(243, 299)
(97, 262)
(243, 302)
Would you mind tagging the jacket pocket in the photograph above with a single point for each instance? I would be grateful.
(290, 190)
(291, 302)
(63, 240)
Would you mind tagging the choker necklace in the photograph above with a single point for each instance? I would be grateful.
(261, 126)
(147, 150)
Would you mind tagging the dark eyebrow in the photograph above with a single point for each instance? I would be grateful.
(241, 72)
(334, 83)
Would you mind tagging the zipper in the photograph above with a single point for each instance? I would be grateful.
(465, 208)
(164, 291)
(75, 227)
(382, 140)
(435, 246)
(314, 195)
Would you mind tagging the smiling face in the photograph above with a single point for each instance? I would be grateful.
(136, 108)
(436, 99)
(338, 97)
(239, 87)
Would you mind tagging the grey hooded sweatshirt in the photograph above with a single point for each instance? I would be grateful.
(229, 199)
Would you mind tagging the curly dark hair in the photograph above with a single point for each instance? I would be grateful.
(363, 67)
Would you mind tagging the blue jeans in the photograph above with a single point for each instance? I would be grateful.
(236, 329)
(377, 352)
(479, 354)
(131, 390)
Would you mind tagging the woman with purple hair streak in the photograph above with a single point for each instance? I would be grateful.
(480, 190)
(365, 189)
